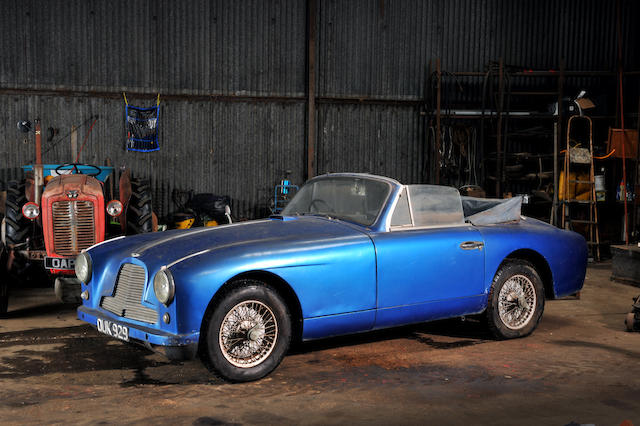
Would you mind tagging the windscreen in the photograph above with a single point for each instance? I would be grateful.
(354, 199)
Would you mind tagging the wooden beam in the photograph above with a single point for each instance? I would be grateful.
(311, 98)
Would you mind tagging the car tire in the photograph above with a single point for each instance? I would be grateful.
(16, 225)
(246, 350)
(139, 210)
(516, 300)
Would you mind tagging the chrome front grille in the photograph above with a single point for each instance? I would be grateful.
(73, 227)
(127, 298)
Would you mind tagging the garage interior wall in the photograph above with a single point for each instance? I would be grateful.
(233, 80)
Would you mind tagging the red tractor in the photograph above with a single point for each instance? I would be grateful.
(57, 212)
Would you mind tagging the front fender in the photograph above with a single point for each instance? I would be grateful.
(333, 277)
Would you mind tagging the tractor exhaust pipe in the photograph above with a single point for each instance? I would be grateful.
(38, 173)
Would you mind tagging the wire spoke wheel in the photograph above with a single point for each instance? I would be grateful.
(248, 334)
(517, 302)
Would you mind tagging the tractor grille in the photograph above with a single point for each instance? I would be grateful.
(127, 298)
(73, 227)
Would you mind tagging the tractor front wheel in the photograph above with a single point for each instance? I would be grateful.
(139, 211)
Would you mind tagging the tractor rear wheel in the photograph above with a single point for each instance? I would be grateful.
(139, 211)
(4, 281)
(17, 226)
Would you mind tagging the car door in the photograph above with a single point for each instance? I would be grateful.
(428, 269)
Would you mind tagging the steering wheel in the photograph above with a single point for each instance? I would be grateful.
(76, 170)
(320, 203)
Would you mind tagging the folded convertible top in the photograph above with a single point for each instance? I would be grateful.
(485, 211)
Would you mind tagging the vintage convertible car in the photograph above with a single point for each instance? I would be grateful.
(350, 253)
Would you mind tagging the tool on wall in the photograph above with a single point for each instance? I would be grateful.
(53, 144)
(142, 126)
(457, 154)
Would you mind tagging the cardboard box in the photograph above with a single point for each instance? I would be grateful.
(630, 139)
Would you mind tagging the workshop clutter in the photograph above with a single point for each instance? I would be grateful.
(574, 190)
(199, 210)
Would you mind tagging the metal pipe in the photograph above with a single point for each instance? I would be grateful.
(549, 73)
(623, 190)
(636, 182)
(554, 204)
(38, 173)
(557, 136)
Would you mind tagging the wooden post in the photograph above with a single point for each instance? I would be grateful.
(557, 137)
(636, 179)
(554, 204)
(311, 78)
(499, 171)
(438, 118)
(38, 142)
(428, 162)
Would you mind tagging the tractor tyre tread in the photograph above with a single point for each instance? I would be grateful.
(17, 226)
(139, 211)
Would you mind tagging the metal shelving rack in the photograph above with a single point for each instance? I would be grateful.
(501, 112)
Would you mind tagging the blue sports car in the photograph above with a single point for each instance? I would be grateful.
(350, 253)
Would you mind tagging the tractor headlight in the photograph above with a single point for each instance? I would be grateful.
(83, 267)
(31, 210)
(164, 287)
(114, 208)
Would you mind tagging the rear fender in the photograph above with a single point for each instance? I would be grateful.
(563, 252)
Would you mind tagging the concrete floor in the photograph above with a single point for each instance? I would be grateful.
(579, 366)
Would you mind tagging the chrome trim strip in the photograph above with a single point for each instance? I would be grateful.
(417, 228)
(358, 175)
(392, 210)
(186, 257)
(102, 242)
(413, 222)
(175, 262)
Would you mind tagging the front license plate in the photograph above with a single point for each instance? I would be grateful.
(113, 329)
(61, 263)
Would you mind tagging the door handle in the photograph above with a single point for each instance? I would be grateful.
(472, 245)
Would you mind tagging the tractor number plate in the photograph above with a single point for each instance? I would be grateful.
(61, 263)
(113, 329)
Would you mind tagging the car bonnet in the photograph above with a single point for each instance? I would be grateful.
(268, 235)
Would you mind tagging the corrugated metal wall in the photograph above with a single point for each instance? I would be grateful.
(382, 48)
(236, 149)
(378, 139)
(65, 61)
(185, 47)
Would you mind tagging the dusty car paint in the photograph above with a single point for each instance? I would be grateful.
(345, 277)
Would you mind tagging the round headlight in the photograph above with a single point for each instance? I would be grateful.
(114, 208)
(31, 210)
(83, 267)
(164, 287)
